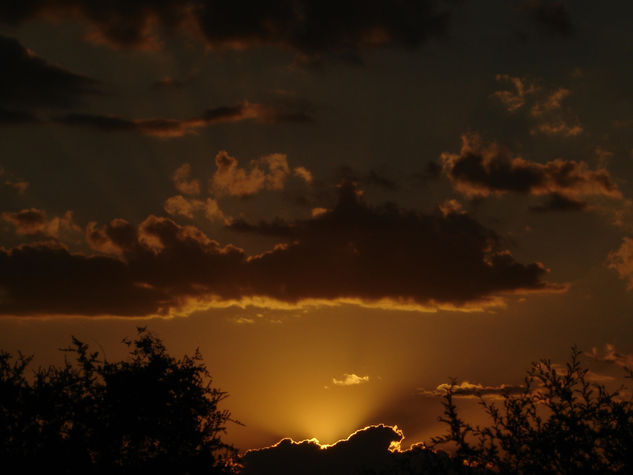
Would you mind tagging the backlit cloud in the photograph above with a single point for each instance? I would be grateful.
(482, 170)
(353, 253)
(466, 389)
(374, 449)
(350, 380)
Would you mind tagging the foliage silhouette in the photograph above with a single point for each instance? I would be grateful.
(148, 414)
(560, 423)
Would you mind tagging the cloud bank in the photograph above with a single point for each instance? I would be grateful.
(310, 27)
(353, 253)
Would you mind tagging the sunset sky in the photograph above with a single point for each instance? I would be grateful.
(341, 204)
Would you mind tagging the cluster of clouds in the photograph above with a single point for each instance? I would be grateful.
(612, 356)
(266, 173)
(544, 107)
(382, 256)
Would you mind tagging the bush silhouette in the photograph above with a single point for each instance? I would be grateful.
(560, 423)
(149, 414)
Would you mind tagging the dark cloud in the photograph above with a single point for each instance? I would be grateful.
(558, 202)
(372, 178)
(377, 179)
(432, 171)
(480, 170)
(278, 227)
(167, 128)
(10, 117)
(374, 449)
(167, 83)
(28, 81)
(551, 15)
(353, 253)
(310, 27)
(46, 279)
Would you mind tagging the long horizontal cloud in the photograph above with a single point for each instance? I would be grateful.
(311, 27)
(480, 170)
(466, 389)
(167, 128)
(374, 449)
(28, 81)
(353, 253)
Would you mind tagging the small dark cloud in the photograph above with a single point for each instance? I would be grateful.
(35, 221)
(167, 83)
(376, 179)
(29, 82)
(479, 171)
(10, 117)
(551, 15)
(371, 178)
(558, 202)
(312, 28)
(277, 227)
(100, 122)
(432, 171)
(26, 221)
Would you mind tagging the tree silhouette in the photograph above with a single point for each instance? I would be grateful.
(560, 423)
(150, 413)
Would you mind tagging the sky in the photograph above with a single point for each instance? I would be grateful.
(341, 204)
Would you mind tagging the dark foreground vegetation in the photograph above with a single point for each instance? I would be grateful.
(154, 414)
(149, 414)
